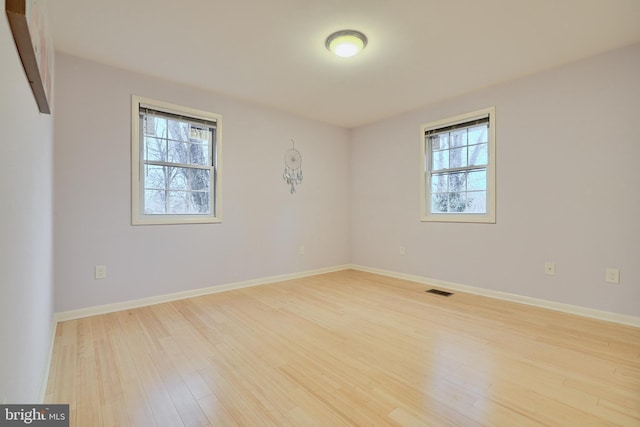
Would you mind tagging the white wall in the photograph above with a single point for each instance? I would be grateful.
(567, 152)
(26, 279)
(263, 224)
(568, 147)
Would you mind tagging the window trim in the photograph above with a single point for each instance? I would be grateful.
(138, 217)
(425, 187)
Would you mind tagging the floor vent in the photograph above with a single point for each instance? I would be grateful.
(439, 292)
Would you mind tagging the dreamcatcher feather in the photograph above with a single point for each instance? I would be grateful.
(292, 167)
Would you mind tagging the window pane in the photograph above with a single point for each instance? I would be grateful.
(440, 142)
(439, 183)
(179, 178)
(477, 202)
(178, 130)
(439, 202)
(478, 134)
(200, 202)
(206, 154)
(200, 179)
(186, 202)
(154, 177)
(154, 202)
(175, 190)
(178, 152)
(440, 160)
(457, 202)
(155, 149)
(457, 182)
(458, 138)
(155, 126)
(478, 155)
(458, 157)
(198, 154)
(477, 180)
(178, 202)
(199, 134)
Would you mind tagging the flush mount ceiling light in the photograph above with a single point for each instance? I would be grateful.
(346, 43)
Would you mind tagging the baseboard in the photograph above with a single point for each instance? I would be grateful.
(552, 305)
(127, 305)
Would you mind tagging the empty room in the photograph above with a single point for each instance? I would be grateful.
(320, 213)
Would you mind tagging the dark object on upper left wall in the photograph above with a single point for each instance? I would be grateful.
(28, 22)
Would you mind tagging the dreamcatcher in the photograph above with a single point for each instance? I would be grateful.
(292, 167)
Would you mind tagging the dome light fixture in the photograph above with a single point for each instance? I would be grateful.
(346, 43)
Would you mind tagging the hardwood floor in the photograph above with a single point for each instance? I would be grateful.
(345, 349)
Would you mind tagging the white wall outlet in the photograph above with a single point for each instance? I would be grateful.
(101, 272)
(403, 250)
(550, 268)
(301, 250)
(613, 276)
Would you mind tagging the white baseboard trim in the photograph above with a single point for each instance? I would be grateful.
(127, 305)
(557, 306)
(552, 305)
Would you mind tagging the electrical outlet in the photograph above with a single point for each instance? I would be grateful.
(613, 276)
(301, 250)
(403, 250)
(101, 272)
(550, 268)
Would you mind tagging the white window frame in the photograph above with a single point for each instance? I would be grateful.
(138, 217)
(425, 174)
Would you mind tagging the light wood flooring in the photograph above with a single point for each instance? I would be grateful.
(345, 349)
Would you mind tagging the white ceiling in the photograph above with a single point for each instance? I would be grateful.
(272, 52)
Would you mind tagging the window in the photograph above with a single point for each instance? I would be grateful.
(175, 164)
(458, 176)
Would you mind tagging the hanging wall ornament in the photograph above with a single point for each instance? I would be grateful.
(292, 167)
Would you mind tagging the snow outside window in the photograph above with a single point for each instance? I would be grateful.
(175, 173)
(458, 179)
